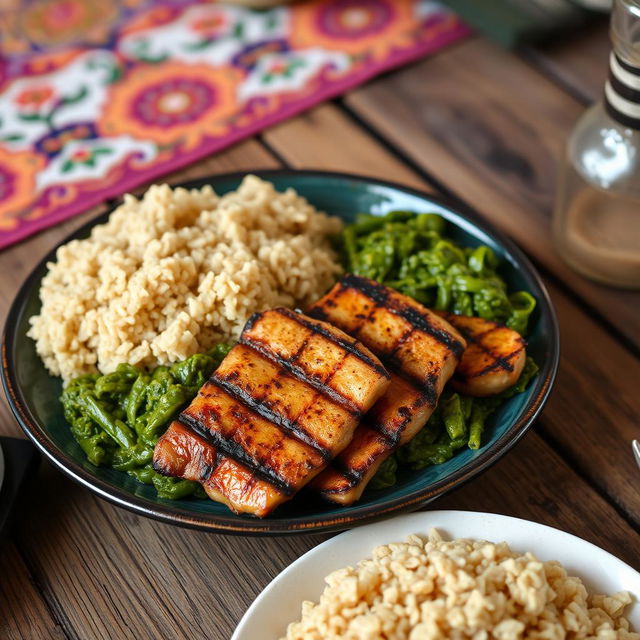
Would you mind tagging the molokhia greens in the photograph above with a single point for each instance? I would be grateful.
(408, 252)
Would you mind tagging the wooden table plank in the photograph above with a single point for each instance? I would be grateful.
(583, 422)
(579, 62)
(324, 138)
(492, 129)
(244, 156)
(593, 412)
(115, 574)
(23, 611)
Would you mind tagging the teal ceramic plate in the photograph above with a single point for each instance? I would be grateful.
(33, 394)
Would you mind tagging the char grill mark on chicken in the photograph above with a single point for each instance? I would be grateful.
(284, 402)
(421, 352)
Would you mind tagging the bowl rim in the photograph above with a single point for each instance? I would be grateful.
(242, 525)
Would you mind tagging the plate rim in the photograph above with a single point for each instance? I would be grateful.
(464, 513)
(232, 523)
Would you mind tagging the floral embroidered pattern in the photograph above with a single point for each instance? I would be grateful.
(357, 27)
(18, 173)
(97, 97)
(52, 22)
(84, 156)
(34, 96)
(173, 104)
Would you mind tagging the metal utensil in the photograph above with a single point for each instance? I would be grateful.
(635, 445)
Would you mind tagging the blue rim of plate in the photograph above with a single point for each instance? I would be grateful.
(242, 525)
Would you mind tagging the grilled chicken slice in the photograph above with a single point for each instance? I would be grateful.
(182, 453)
(420, 350)
(282, 404)
(493, 359)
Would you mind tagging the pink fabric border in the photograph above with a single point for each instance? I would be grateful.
(396, 59)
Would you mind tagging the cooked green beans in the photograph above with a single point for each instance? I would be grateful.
(117, 418)
(458, 421)
(453, 418)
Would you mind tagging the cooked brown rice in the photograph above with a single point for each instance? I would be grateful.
(176, 271)
(435, 589)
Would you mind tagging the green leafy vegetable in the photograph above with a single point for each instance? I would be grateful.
(386, 474)
(408, 251)
(117, 418)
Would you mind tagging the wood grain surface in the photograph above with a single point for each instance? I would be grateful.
(326, 138)
(81, 568)
(593, 412)
(579, 64)
(23, 611)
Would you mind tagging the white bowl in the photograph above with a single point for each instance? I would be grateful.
(279, 603)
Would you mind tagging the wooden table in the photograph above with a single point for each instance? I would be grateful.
(473, 121)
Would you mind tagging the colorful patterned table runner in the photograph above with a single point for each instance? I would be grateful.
(98, 97)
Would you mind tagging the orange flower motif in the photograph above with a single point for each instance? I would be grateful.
(81, 155)
(47, 22)
(46, 62)
(355, 27)
(277, 67)
(34, 96)
(17, 184)
(13, 44)
(173, 103)
(210, 25)
(155, 17)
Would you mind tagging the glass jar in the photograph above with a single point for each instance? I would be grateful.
(596, 224)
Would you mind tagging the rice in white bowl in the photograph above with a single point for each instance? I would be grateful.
(173, 273)
(435, 589)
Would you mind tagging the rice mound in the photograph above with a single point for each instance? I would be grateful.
(436, 589)
(173, 273)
